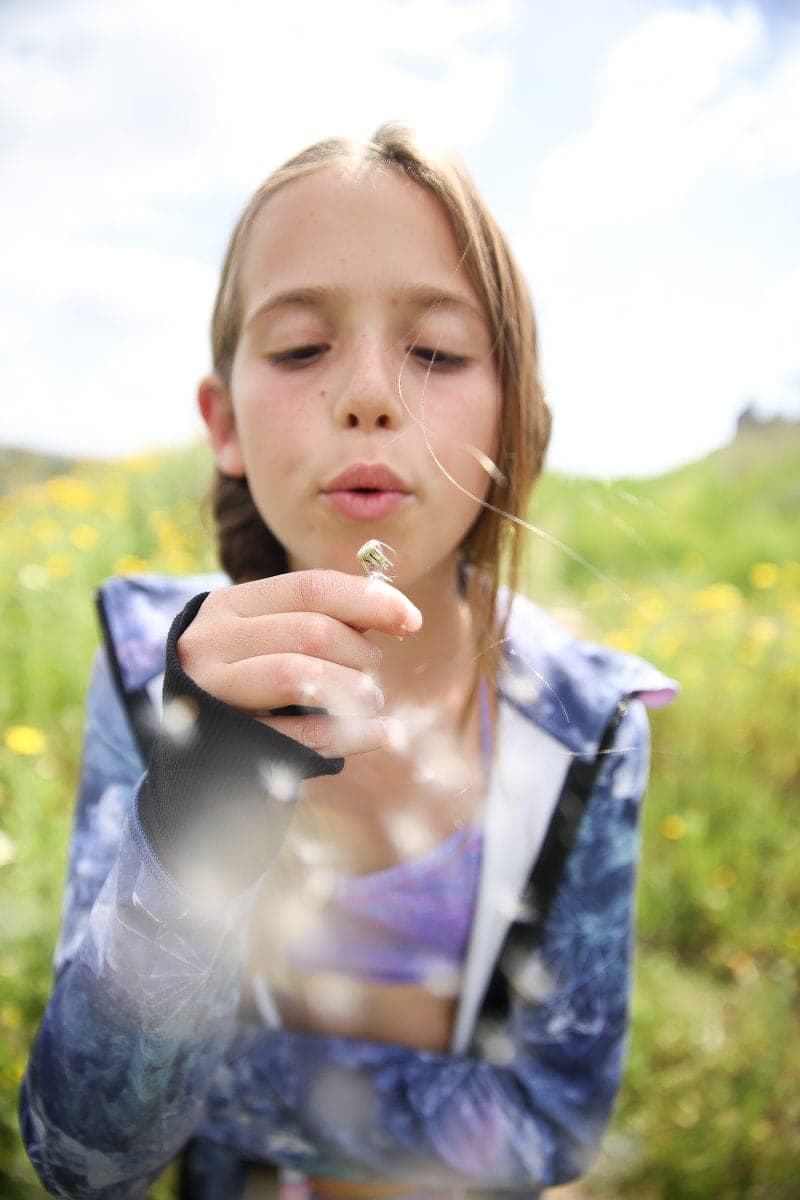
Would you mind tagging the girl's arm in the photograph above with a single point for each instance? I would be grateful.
(534, 1116)
(145, 994)
(149, 970)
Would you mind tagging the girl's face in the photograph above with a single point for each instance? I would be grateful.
(361, 335)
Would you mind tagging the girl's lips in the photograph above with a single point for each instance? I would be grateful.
(366, 505)
(374, 477)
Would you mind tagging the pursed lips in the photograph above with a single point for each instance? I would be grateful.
(367, 491)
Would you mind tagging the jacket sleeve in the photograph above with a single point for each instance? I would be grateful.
(145, 992)
(163, 869)
(527, 1110)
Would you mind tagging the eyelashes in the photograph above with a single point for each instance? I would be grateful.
(438, 358)
(298, 356)
(432, 358)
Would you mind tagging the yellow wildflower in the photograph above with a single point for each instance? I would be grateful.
(623, 639)
(84, 537)
(717, 597)
(130, 564)
(46, 530)
(674, 827)
(723, 877)
(25, 739)
(68, 492)
(666, 645)
(763, 575)
(60, 565)
(10, 1016)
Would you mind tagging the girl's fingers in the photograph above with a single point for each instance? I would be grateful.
(356, 601)
(313, 634)
(258, 685)
(335, 737)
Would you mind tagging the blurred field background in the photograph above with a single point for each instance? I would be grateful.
(697, 570)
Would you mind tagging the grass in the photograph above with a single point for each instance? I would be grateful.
(697, 570)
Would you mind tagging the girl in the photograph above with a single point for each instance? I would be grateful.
(367, 913)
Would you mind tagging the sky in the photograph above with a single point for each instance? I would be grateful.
(642, 157)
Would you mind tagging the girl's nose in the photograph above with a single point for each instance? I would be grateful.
(369, 398)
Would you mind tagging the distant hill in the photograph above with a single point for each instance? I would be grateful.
(713, 518)
(18, 467)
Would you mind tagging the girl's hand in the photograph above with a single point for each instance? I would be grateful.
(298, 639)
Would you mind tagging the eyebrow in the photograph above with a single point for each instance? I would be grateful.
(418, 297)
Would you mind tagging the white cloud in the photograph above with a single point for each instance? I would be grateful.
(663, 258)
(673, 106)
(131, 128)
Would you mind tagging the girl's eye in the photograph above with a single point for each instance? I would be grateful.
(438, 358)
(298, 356)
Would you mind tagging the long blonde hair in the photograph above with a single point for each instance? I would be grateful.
(492, 548)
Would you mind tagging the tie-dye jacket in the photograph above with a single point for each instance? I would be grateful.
(147, 1040)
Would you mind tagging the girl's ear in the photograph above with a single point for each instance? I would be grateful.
(215, 405)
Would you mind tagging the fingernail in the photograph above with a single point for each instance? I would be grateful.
(413, 620)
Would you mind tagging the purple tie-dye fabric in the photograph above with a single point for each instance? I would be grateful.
(407, 924)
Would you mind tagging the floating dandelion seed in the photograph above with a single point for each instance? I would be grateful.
(321, 883)
(334, 997)
(522, 689)
(309, 691)
(514, 908)
(180, 718)
(279, 780)
(438, 759)
(312, 852)
(442, 979)
(8, 850)
(411, 835)
(299, 917)
(496, 1047)
(375, 560)
(529, 978)
(491, 468)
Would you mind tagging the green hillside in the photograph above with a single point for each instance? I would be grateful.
(697, 570)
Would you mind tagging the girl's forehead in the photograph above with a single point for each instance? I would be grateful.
(357, 224)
